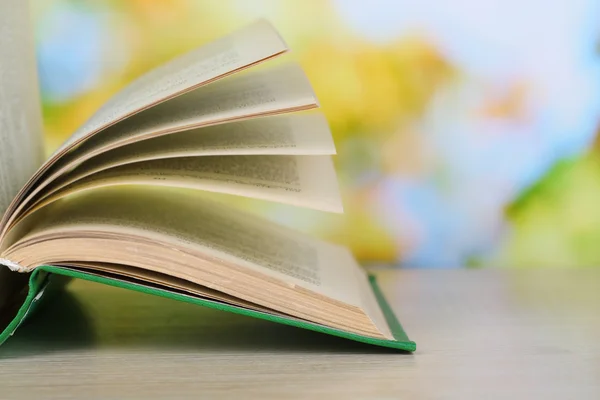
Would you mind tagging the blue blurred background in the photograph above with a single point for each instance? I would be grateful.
(466, 129)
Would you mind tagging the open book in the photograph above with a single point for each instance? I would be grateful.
(121, 201)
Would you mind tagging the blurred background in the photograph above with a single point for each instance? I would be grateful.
(467, 130)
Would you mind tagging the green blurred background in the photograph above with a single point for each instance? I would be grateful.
(466, 130)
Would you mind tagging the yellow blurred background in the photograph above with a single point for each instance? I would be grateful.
(465, 129)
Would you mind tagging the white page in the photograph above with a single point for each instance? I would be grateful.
(296, 134)
(245, 47)
(21, 143)
(254, 93)
(304, 181)
(277, 90)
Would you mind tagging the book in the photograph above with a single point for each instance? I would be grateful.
(124, 200)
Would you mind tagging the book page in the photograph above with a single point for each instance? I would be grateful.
(242, 49)
(296, 134)
(245, 47)
(21, 143)
(274, 91)
(305, 181)
(252, 94)
(255, 93)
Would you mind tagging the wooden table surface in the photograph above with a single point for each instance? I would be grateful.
(481, 334)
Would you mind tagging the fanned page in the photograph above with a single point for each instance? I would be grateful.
(274, 91)
(247, 47)
(248, 95)
(244, 48)
(305, 181)
(296, 134)
(299, 134)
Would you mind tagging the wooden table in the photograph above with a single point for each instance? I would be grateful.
(482, 334)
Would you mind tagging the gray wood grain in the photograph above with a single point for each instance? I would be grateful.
(481, 334)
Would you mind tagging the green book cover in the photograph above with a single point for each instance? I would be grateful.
(41, 279)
